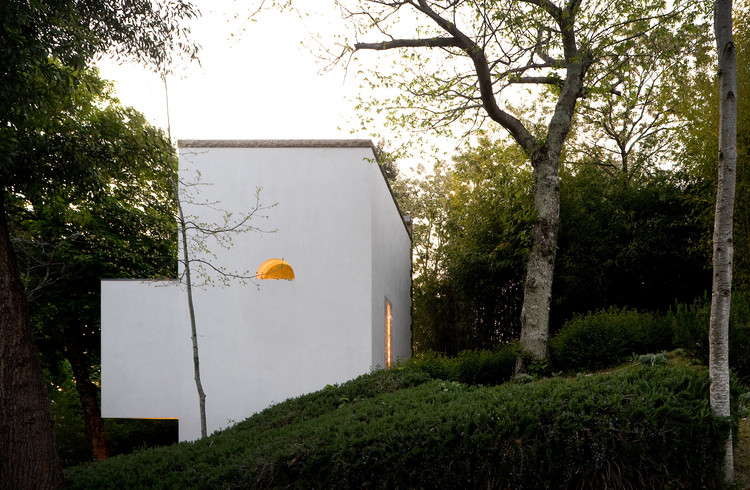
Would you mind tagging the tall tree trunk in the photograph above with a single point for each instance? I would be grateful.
(723, 249)
(182, 230)
(537, 293)
(540, 265)
(87, 394)
(191, 309)
(28, 451)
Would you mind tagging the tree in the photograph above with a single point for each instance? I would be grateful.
(486, 49)
(197, 240)
(489, 225)
(66, 240)
(628, 241)
(629, 128)
(697, 149)
(721, 293)
(43, 48)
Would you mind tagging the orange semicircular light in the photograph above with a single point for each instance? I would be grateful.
(275, 269)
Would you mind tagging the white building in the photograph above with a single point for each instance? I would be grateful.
(347, 309)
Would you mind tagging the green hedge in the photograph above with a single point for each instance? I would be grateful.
(473, 367)
(690, 326)
(606, 338)
(646, 427)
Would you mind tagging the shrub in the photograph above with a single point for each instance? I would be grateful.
(486, 367)
(435, 365)
(624, 430)
(474, 367)
(605, 338)
(690, 326)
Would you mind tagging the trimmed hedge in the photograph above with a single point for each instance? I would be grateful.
(645, 427)
(608, 337)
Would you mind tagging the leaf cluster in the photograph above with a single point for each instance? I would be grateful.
(626, 241)
(697, 148)
(45, 47)
(690, 323)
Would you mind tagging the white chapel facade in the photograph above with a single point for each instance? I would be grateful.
(331, 300)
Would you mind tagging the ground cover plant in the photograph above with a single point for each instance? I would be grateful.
(645, 426)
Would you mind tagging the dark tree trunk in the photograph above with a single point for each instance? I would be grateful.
(87, 394)
(28, 451)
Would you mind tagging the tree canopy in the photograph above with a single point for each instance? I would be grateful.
(484, 52)
(117, 224)
(44, 48)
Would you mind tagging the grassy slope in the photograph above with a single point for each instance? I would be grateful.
(402, 422)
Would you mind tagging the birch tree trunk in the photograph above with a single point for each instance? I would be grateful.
(721, 293)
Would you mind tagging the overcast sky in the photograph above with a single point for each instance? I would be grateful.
(255, 80)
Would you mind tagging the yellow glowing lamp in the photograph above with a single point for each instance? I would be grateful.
(275, 269)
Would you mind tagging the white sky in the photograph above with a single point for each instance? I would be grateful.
(260, 83)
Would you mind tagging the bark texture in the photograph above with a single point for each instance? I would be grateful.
(28, 451)
(540, 266)
(723, 249)
(87, 394)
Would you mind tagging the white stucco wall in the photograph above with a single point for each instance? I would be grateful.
(261, 345)
(391, 272)
(144, 349)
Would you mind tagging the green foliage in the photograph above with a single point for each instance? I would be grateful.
(631, 242)
(113, 218)
(605, 338)
(626, 242)
(489, 225)
(473, 367)
(472, 229)
(46, 46)
(599, 431)
(652, 359)
(690, 325)
(123, 435)
(697, 138)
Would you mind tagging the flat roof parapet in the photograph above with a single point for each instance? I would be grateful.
(319, 143)
(313, 143)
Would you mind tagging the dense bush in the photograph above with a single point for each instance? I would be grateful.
(474, 367)
(646, 427)
(605, 338)
(690, 326)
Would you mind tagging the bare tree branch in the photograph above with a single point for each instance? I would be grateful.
(409, 43)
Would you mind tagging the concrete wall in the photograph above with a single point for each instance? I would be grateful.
(262, 344)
